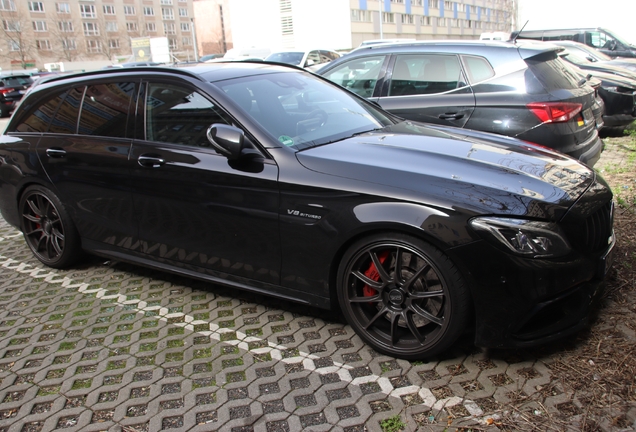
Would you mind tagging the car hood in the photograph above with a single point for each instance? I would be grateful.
(463, 170)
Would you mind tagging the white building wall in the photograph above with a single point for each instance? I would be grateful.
(322, 24)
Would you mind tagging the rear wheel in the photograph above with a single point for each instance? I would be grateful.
(48, 229)
(403, 296)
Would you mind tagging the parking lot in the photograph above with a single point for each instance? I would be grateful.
(109, 346)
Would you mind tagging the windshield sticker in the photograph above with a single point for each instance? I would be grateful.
(286, 140)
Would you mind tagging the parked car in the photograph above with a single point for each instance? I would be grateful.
(618, 94)
(209, 57)
(369, 42)
(270, 179)
(311, 59)
(595, 56)
(133, 64)
(520, 90)
(602, 39)
(12, 88)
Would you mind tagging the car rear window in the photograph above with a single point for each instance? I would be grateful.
(16, 81)
(552, 73)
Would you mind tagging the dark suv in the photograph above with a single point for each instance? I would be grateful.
(521, 90)
(12, 88)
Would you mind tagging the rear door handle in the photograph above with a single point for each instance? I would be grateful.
(55, 153)
(451, 116)
(150, 161)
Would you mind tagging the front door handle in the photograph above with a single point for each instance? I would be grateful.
(150, 161)
(451, 116)
(55, 152)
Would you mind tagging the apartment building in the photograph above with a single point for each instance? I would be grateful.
(35, 32)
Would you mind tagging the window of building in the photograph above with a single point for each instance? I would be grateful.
(93, 46)
(132, 26)
(90, 29)
(183, 12)
(453, 22)
(111, 26)
(129, 10)
(407, 19)
(65, 26)
(36, 6)
(388, 17)
(441, 21)
(149, 11)
(87, 11)
(113, 43)
(14, 46)
(169, 28)
(69, 44)
(167, 14)
(39, 26)
(448, 5)
(360, 15)
(186, 41)
(7, 5)
(166, 2)
(425, 20)
(43, 45)
(172, 43)
(433, 4)
(287, 26)
(151, 27)
(185, 27)
(63, 8)
(10, 26)
(109, 10)
(416, 2)
(397, 1)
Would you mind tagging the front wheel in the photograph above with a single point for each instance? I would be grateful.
(402, 296)
(48, 229)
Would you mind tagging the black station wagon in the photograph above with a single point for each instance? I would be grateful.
(521, 90)
(270, 179)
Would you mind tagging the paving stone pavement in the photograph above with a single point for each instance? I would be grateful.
(107, 346)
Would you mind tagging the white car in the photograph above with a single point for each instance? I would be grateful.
(311, 59)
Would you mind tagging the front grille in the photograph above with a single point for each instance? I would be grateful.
(598, 229)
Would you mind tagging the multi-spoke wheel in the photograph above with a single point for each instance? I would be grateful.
(402, 296)
(48, 230)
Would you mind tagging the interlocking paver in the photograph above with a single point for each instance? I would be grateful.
(107, 345)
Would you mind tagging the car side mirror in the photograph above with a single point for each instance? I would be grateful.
(227, 140)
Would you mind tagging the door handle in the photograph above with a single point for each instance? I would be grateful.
(55, 153)
(451, 116)
(150, 161)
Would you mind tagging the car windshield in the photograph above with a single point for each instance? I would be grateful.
(575, 58)
(302, 111)
(293, 58)
(594, 53)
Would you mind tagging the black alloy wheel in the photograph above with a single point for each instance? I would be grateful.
(48, 230)
(402, 296)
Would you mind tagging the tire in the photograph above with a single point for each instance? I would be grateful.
(48, 229)
(415, 316)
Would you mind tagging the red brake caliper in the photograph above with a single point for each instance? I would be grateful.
(372, 273)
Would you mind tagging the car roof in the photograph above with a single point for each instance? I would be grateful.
(207, 72)
(525, 48)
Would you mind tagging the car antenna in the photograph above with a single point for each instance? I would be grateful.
(514, 39)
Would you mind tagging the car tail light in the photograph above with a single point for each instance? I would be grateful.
(7, 91)
(554, 112)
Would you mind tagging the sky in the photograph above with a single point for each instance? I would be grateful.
(614, 15)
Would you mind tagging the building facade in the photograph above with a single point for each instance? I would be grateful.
(36, 32)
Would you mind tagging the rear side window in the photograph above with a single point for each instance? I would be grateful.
(477, 68)
(40, 117)
(65, 120)
(105, 109)
(551, 73)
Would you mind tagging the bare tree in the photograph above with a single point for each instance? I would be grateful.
(65, 35)
(17, 32)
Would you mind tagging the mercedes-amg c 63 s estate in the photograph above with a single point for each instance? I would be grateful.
(268, 178)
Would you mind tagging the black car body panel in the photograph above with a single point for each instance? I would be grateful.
(142, 181)
(480, 85)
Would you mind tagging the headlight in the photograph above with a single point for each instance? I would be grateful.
(523, 237)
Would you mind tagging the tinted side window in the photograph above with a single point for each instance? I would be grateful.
(551, 72)
(65, 120)
(179, 115)
(358, 75)
(40, 117)
(105, 109)
(425, 74)
(477, 68)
